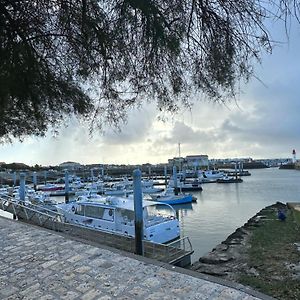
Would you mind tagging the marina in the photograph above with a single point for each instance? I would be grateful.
(206, 227)
(221, 208)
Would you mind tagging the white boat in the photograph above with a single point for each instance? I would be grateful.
(187, 185)
(116, 215)
(125, 188)
(213, 174)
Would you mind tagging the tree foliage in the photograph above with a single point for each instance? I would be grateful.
(97, 59)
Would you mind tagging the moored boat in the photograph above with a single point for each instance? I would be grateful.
(229, 179)
(169, 197)
(116, 215)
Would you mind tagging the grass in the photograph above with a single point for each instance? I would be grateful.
(272, 250)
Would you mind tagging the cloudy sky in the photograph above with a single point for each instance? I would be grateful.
(265, 123)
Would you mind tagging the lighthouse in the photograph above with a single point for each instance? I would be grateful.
(294, 156)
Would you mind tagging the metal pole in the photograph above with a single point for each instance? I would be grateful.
(34, 179)
(175, 180)
(66, 186)
(22, 187)
(138, 212)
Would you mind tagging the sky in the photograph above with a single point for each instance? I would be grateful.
(264, 123)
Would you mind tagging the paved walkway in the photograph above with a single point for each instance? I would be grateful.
(36, 263)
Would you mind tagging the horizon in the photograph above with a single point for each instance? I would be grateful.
(145, 163)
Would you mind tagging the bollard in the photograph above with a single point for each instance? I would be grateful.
(34, 180)
(138, 212)
(66, 187)
(175, 180)
(22, 187)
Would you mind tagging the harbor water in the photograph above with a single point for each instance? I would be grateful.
(222, 208)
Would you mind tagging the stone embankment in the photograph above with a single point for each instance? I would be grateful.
(229, 259)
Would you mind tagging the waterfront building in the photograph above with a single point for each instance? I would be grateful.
(197, 161)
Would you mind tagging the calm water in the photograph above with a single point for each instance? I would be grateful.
(222, 208)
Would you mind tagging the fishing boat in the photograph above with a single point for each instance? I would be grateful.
(169, 197)
(116, 215)
(213, 174)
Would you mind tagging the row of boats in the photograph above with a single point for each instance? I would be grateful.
(110, 207)
(113, 214)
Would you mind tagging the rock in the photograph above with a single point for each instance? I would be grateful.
(253, 271)
(213, 270)
(221, 247)
(215, 258)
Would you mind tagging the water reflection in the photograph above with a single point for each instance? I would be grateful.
(222, 208)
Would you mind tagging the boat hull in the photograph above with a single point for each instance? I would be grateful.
(172, 200)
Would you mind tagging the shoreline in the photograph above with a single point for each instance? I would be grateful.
(241, 259)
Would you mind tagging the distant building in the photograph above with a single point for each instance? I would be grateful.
(197, 161)
(69, 165)
(190, 162)
(176, 161)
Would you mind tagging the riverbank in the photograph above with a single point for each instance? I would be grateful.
(263, 254)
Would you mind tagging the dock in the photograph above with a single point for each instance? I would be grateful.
(38, 263)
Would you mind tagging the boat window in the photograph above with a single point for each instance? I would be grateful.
(79, 210)
(99, 213)
(127, 214)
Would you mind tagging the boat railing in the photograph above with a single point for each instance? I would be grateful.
(29, 210)
(172, 252)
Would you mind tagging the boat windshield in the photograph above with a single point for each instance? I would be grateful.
(159, 210)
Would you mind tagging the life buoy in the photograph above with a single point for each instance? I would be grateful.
(73, 208)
